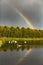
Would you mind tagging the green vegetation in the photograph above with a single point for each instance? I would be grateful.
(20, 32)
(20, 44)
(12, 38)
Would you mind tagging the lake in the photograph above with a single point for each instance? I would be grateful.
(32, 56)
(24, 54)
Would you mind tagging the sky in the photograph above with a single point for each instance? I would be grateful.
(32, 9)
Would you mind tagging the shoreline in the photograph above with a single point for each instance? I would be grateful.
(11, 38)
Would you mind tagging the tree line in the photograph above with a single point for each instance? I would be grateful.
(17, 32)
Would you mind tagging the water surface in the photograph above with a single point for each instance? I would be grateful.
(35, 57)
(28, 53)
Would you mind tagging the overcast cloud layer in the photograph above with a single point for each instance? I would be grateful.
(32, 9)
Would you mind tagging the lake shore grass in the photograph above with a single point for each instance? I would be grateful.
(8, 38)
(7, 43)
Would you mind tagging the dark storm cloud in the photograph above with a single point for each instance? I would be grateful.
(8, 13)
(32, 9)
(9, 16)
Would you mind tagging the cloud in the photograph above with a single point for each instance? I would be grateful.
(9, 16)
(32, 9)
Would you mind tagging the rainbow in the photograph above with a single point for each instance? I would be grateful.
(24, 17)
(27, 53)
(31, 26)
(26, 20)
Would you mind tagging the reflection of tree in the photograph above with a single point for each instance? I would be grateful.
(27, 47)
(17, 49)
(20, 45)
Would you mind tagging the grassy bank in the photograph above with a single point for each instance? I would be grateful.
(20, 43)
(21, 38)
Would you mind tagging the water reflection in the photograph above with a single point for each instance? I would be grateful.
(25, 57)
(11, 57)
(17, 45)
(35, 58)
(20, 53)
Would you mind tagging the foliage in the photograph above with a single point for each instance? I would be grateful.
(17, 32)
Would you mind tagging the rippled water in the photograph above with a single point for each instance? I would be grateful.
(32, 56)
